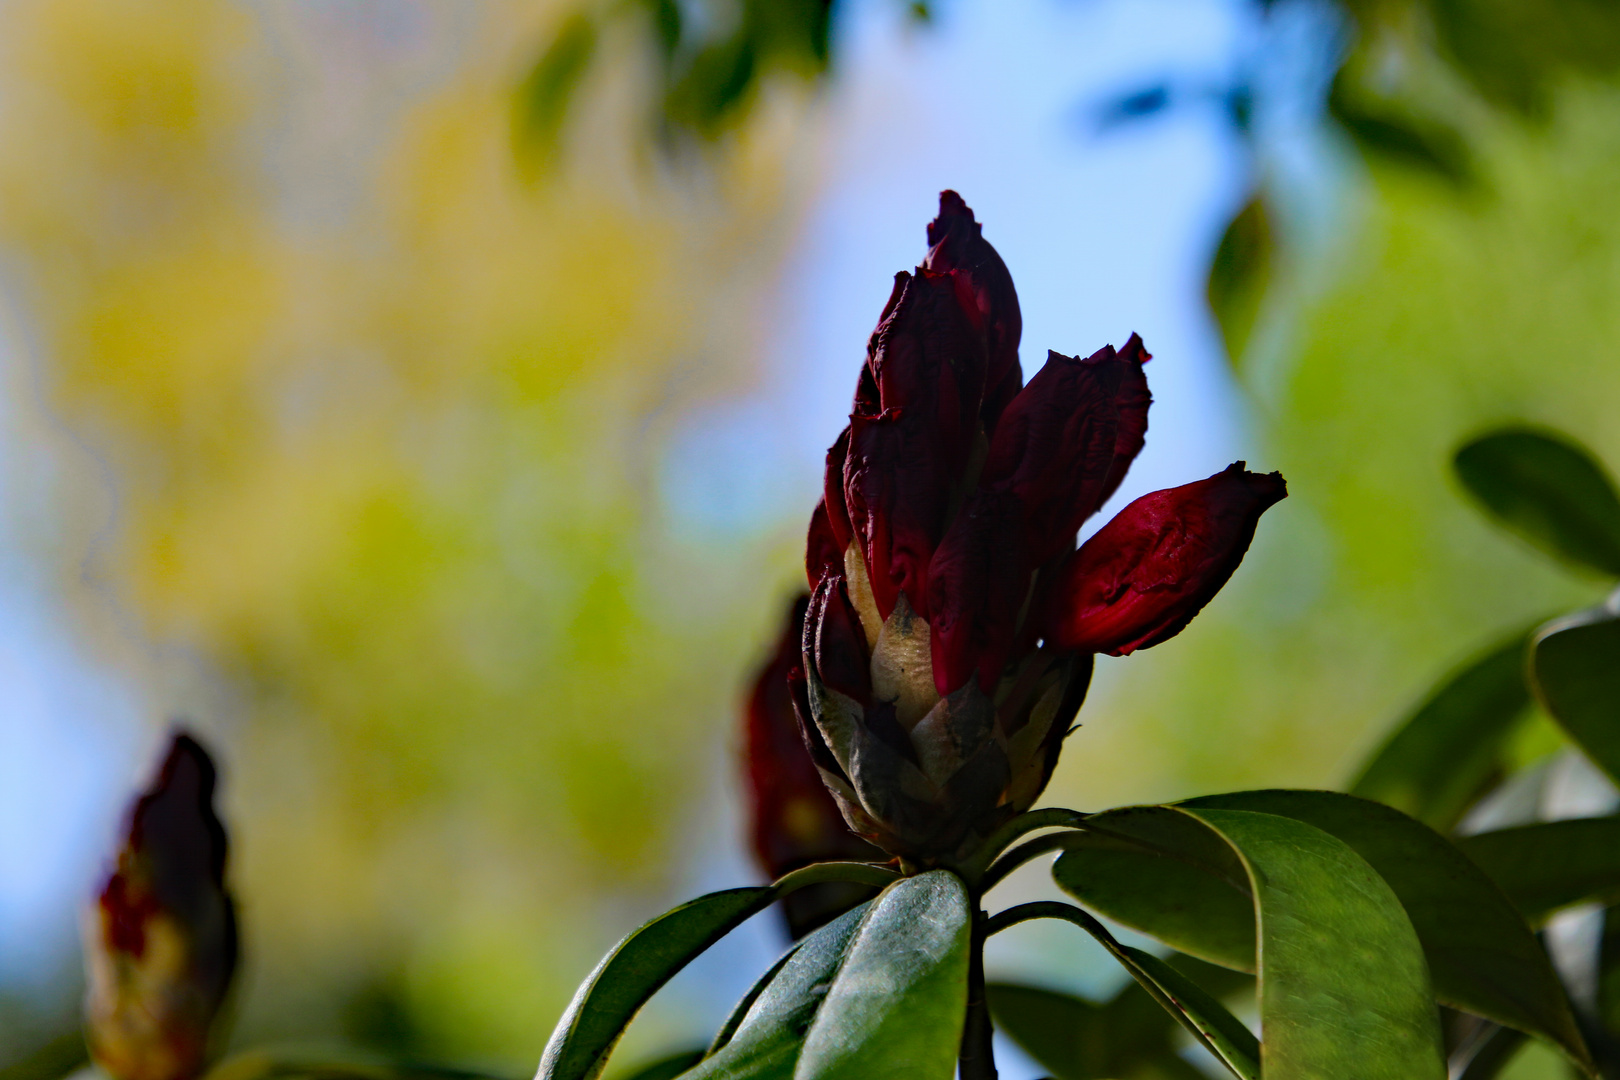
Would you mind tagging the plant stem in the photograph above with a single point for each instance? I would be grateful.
(977, 1060)
(816, 873)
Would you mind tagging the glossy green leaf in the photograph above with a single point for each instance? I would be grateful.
(633, 971)
(1344, 990)
(1128, 1038)
(896, 1007)
(1548, 489)
(741, 1010)
(1575, 664)
(768, 1036)
(1236, 1045)
(1553, 865)
(1436, 764)
(1240, 274)
(1481, 955)
(1155, 869)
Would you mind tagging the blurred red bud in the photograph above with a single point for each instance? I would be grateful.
(160, 942)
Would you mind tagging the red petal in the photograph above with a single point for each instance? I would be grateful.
(897, 487)
(956, 243)
(834, 641)
(978, 579)
(1066, 441)
(832, 490)
(821, 551)
(1146, 573)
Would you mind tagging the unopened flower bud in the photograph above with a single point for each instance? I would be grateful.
(950, 634)
(795, 821)
(160, 942)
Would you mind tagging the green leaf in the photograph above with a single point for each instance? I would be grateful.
(543, 97)
(1547, 488)
(740, 1011)
(1516, 52)
(1155, 869)
(1128, 1037)
(633, 971)
(1235, 1043)
(1436, 764)
(896, 1008)
(1575, 664)
(768, 1036)
(1553, 865)
(1481, 955)
(665, 1068)
(1240, 274)
(1344, 990)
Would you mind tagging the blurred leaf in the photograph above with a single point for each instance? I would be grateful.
(1575, 664)
(633, 971)
(897, 1004)
(1240, 275)
(543, 97)
(1550, 490)
(1236, 1045)
(1129, 1037)
(666, 1068)
(1157, 870)
(769, 1032)
(58, 1057)
(1481, 955)
(667, 24)
(1344, 990)
(1515, 51)
(1546, 867)
(1394, 132)
(1438, 762)
(1137, 105)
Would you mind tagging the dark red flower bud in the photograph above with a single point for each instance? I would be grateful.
(795, 820)
(956, 244)
(1145, 574)
(160, 944)
(936, 712)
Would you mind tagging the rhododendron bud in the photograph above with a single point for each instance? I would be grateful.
(949, 639)
(1149, 570)
(160, 943)
(795, 821)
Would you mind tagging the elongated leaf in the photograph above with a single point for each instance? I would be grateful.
(1073, 1039)
(1547, 867)
(769, 1036)
(1156, 870)
(895, 1009)
(1344, 990)
(633, 971)
(1240, 274)
(1548, 489)
(1235, 1043)
(1434, 766)
(1396, 132)
(1576, 666)
(1481, 955)
(741, 1010)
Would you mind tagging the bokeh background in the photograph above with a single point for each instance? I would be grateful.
(423, 401)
